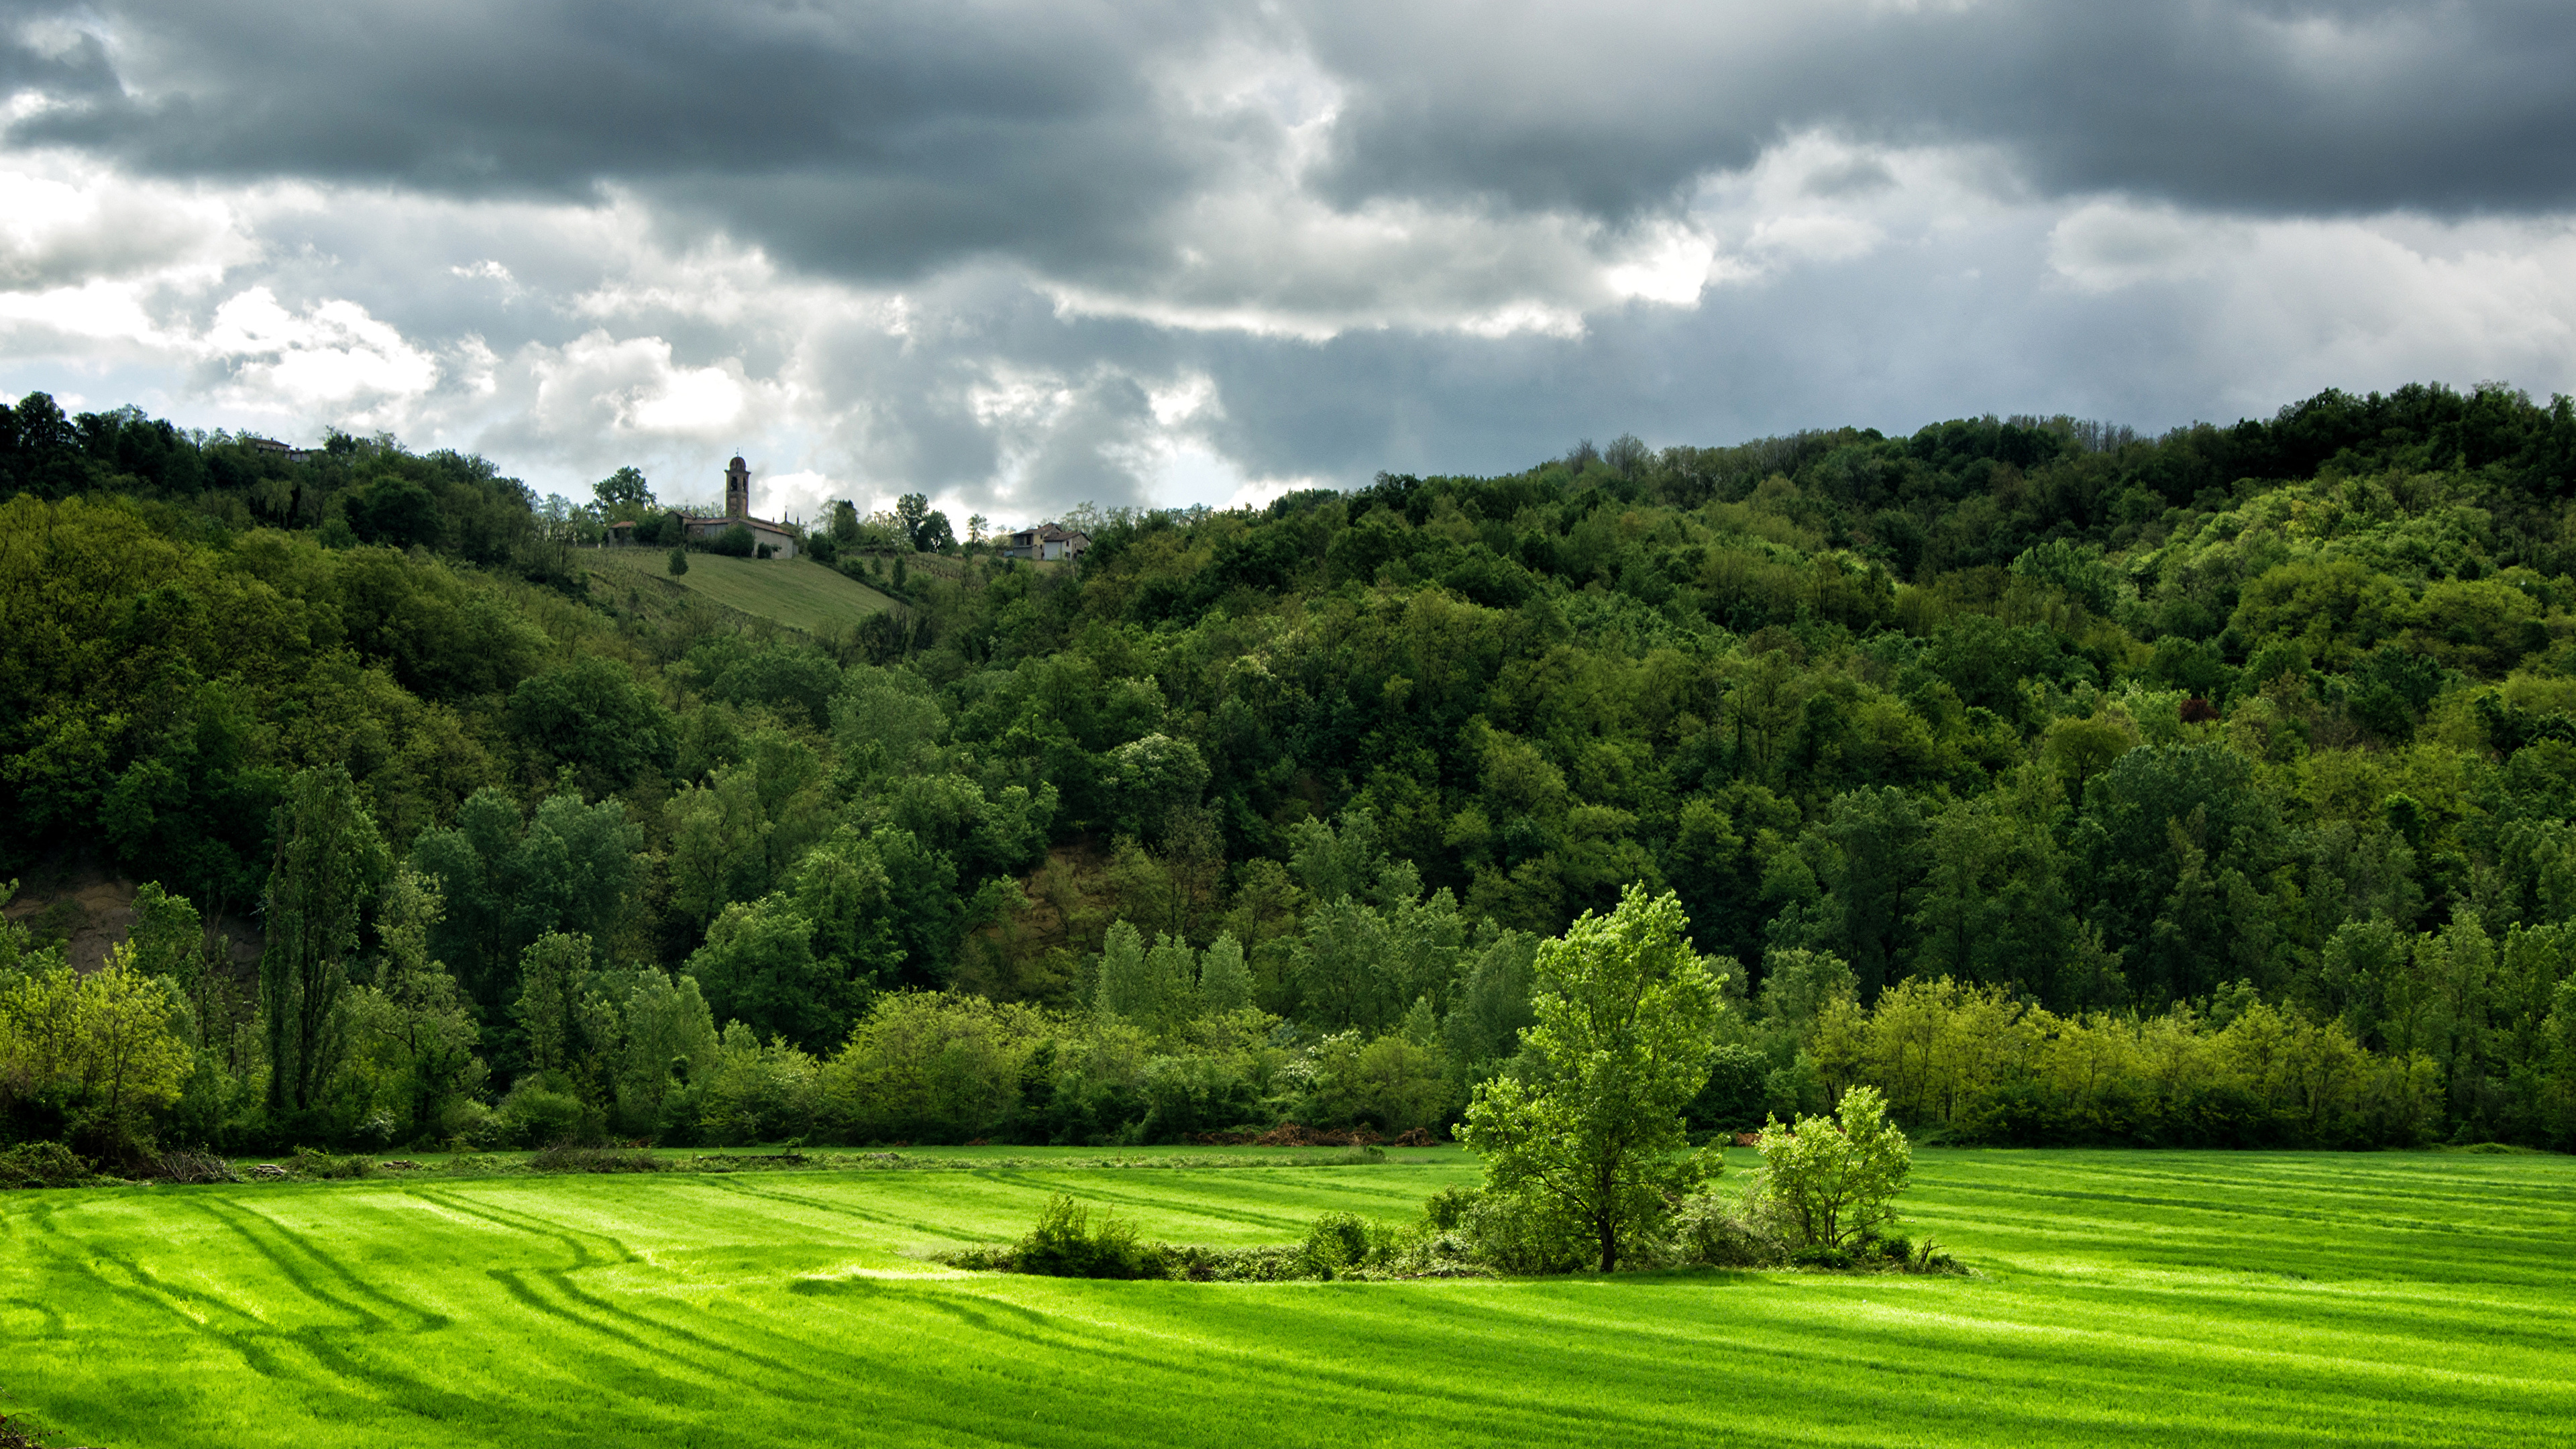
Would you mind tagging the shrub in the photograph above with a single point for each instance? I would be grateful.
(1065, 1244)
(309, 1162)
(1512, 1232)
(535, 1114)
(1830, 1186)
(41, 1164)
(1708, 1230)
(1335, 1243)
(930, 1067)
(679, 562)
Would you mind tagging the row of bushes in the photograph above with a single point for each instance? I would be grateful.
(928, 1067)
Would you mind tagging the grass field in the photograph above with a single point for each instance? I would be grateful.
(2121, 1298)
(796, 592)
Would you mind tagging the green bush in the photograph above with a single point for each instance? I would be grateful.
(1065, 1244)
(536, 1115)
(41, 1164)
(308, 1162)
(1829, 1185)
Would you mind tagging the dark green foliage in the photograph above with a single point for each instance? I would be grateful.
(41, 1164)
(2105, 723)
(330, 864)
(593, 716)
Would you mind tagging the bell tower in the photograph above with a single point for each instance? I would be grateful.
(737, 490)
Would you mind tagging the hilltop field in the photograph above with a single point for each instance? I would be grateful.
(796, 592)
(2117, 1298)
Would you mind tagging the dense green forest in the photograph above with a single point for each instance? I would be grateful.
(2068, 785)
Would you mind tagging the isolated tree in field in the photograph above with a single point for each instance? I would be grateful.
(679, 563)
(1829, 1185)
(329, 864)
(1594, 1135)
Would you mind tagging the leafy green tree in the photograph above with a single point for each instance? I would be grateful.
(330, 863)
(679, 562)
(624, 493)
(669, 1045)
(758, 967)
(411, 1017)
(1127, 988)
(1593, 1137)
(554, 975)
(1225, 984)
(594, 716)
(1993, 907)
(1830, 1184)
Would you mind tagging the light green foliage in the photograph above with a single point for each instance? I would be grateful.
(1126, 988)
(1396, 1083)
(1363, 966)
(1225, 984)
(1493, 1003)
(99, 1048)
(926, 1067)
(1594, 1135)
(1832, 1182)
(757, 1091)
(412, 1033)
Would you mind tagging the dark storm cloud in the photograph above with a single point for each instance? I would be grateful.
(870, 137)
(889, 139)
(2264, 106)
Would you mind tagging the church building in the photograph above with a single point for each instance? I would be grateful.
(764, 534)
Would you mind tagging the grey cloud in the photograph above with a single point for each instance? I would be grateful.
(871, 138)
(889, 140)
(2263, 106)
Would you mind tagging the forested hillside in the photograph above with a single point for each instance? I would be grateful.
(2069, 785)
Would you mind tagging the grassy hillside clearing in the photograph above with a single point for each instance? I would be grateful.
(796, 592)
(2122, 1298)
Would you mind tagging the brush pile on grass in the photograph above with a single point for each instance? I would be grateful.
(570, 1157)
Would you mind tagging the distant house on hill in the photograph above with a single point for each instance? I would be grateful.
(764, 534)
(1047, 541)
(284, 452)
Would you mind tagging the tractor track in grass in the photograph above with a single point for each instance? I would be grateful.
(2256, 1299)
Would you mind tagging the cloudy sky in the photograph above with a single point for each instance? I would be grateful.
(1018, 255)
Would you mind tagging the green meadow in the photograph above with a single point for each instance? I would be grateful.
(2118, 1298)
(796, 592)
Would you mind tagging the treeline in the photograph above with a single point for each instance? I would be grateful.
(2131, 740)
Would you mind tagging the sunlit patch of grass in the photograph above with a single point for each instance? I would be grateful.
(2119, 1298)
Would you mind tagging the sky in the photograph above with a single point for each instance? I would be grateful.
(1020, 256)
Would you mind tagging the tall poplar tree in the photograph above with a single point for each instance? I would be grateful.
(330, 861)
